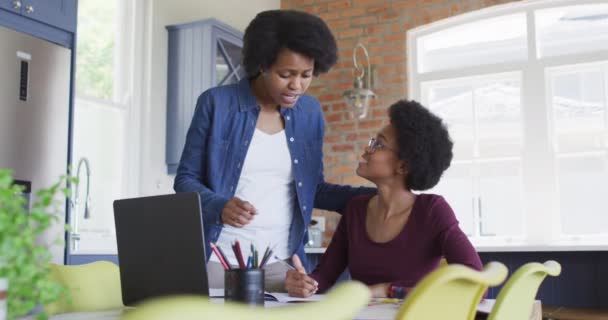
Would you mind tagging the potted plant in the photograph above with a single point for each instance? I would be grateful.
(24, 263)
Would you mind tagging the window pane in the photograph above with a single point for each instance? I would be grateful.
(454, 104)
(227, 63)
(579, 110)
(222, 68)
(487, 41)
(574, 29)
(233, 52)
(97, 29)
(583, 198)
(456, 187)
(500, 198)
(499, 119)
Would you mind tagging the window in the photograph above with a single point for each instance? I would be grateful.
(580, 136)
(104, 131)
(527, 110)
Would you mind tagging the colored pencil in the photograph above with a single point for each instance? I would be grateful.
(219, 256)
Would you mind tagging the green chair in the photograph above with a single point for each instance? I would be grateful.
(515, 299)
(90, 287)
(343, 302)
(450, 292)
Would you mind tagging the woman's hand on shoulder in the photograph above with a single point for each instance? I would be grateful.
(238, 213)
(298, 283)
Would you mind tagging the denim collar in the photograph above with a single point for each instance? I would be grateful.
(247, 100)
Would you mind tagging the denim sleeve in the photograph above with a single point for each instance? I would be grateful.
(189, 176)
(334, 197)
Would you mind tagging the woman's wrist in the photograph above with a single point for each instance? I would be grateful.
(396, 292)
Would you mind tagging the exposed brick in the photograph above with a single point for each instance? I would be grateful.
(342, 147)
(339, 24)
(330, 97)
(335, 117)
(404, 4)
(352, 12)
(371, 124)
(365, 20)
(341, 170)
(336, 5)
(304, 2)
(394, 58)
(333, 138)
(375, 29)
(329, 16)
(365, 3)
(350, 33)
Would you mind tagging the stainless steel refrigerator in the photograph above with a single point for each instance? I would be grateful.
(34, 115)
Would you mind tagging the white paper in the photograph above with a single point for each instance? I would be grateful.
(284, 297)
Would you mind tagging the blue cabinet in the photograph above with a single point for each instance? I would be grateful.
(60, 14)
(202, 54)
(11, 5)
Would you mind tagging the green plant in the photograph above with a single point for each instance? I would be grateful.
(24, 262)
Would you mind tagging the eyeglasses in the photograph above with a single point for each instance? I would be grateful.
(374, 144)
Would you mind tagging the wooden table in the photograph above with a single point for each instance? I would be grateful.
(537, 312)
(563, 313)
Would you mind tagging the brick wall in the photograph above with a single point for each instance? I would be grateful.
(381, 25)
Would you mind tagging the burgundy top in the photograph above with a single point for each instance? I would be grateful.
(430, 233)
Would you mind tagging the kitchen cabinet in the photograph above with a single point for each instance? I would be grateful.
(201, 55)
(11, 5)
(56, 13)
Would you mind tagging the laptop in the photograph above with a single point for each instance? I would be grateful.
(161, 247)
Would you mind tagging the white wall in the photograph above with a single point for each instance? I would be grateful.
(154, 179)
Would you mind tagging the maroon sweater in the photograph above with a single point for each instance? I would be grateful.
(430, 233)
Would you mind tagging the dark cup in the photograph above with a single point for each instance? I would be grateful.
(246, 286)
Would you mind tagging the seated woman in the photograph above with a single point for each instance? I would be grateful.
(391, 240)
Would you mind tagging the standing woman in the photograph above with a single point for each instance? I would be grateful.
(254, 149)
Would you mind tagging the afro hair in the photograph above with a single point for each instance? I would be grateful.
(424, 143)
(270, 31)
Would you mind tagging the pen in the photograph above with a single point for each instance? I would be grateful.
(284, 263)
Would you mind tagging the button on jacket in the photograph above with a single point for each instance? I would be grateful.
(217, 142)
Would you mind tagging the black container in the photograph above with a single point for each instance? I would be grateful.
(246, 286)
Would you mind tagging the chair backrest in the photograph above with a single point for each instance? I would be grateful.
(515, 299)
(451, 292)
(343, 302)
(90, 287)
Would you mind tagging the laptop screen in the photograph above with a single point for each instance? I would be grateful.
(161, 247)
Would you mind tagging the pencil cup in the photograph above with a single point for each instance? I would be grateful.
(246, 286)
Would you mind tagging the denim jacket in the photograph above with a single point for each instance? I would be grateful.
(217, 142)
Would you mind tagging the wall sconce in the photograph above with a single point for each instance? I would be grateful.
(359, 97)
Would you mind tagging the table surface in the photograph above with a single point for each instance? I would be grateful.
(374, 310)
(574, 313)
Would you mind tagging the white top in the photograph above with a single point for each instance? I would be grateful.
(266, 182)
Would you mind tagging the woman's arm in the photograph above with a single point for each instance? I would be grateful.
(454, 243)
(193, 161)
(335, 259)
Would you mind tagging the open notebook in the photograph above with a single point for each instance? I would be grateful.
(284, 297)
(270, 296)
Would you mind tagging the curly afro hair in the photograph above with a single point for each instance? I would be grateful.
(424, 143)
(273, 30)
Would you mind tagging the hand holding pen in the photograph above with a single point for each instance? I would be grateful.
(297, 282)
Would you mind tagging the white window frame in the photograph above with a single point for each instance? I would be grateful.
(129, 83)
(540, 187)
